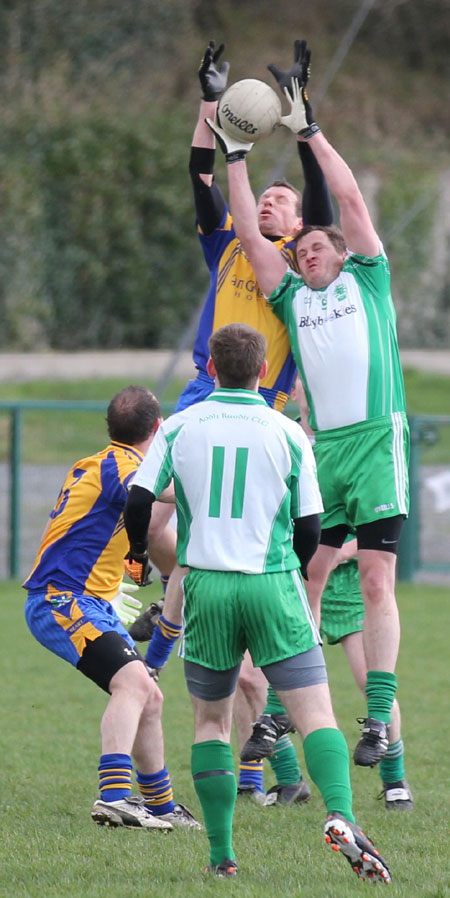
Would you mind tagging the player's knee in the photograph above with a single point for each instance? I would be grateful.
(134, 679)
(245, 682)
(376, 587)
(155, 699)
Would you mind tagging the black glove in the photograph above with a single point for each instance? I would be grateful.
(301, 70)
(137, 566)
(213, 80)
(141, 629)
(233, 149)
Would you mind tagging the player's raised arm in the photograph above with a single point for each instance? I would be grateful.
(264, 257)
(209, 202)
(317, 208)
(213, 81)
(356, 224)
(359, 232)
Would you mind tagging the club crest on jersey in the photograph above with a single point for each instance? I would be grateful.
(59, 601)
(340, 292)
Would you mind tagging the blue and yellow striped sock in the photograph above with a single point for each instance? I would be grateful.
(251, 773)
(114, 776)
(164, 581)
(156, 790)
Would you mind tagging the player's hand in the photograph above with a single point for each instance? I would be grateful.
(153, 672)
(296, 120)
(301, 71)
(142, 628)
(213, 79)
(137, 566)
(125, 605)
(300, 68)
(232, 149)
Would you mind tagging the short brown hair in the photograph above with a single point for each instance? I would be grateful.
(333, 233)
(281, 182)
(238, 352)
(132, 415)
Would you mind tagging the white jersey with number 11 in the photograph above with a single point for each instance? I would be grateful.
(242, 472)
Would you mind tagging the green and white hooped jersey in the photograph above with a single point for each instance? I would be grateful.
(344, 342)
(242, 472)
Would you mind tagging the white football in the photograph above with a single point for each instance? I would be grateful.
(249, 110)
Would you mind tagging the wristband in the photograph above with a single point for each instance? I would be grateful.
(309, 132)
(162, 642)
(235, 156)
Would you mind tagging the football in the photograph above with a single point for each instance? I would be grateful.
(249, 110)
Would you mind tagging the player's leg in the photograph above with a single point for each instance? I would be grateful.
(87, 632)
(396, 791)
(353, 646)
(212, 762)
(301, 682)
(377, 501)
(320, 566)
(114, 665)
(213, 647)
(301, 685)
(300, 679)
(249, 701)
(291, 785)
(152, 776)
(377, 542)
(270, 739)
(381, 620)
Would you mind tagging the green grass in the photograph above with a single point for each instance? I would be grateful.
(50, 741)
(74, 434)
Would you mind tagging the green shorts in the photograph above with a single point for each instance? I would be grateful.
(363, 471)
(225, 613)
(342, 606)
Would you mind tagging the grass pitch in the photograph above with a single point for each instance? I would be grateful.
(50, 742)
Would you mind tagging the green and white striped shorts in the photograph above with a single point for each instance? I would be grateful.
(226, 612)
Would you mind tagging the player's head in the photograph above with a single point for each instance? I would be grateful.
(321, 253)
(133, 415)
(279, 210)
(238, 356)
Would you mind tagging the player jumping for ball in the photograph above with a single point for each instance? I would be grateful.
(342, 326)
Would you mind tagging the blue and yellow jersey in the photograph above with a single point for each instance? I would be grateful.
(84, 544)
(235, 295)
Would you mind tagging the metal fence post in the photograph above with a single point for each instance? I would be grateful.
(14, 490)
(409, 551)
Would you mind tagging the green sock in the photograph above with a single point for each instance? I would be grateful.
(381, 687)
(327, 760)
(392, 766)
(273, 704)
(212, 768)
(284, 762)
